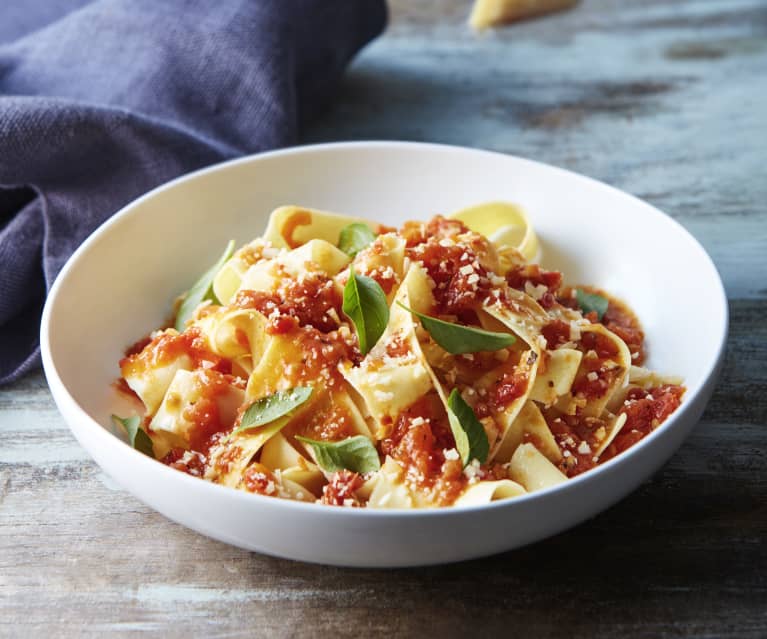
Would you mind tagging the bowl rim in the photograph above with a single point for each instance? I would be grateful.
(105, 438)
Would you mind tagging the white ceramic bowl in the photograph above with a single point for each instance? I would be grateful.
(120, 282)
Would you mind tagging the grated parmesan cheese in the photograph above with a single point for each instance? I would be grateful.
(472, 471)
(537, 291)
(584, 448)
(575, 331)
(451, 454)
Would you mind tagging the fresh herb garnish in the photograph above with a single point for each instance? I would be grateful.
(469, 434)
(457, 339)
(137, 436)
(365, 305)
(354, 238)
(272, 407)
(201, 290)
(591, 302)
(354, 453)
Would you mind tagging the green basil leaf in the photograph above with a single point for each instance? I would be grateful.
(137, 436)
(365, 305)
(591, 302)
(354, 453)
(201, 290)
(272, 407)
(457, 339)
(470, 436)
(355, 237)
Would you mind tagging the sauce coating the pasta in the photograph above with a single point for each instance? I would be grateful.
(267, 390)
(645, 410)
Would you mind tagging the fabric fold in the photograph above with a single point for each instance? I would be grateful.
(101, 101)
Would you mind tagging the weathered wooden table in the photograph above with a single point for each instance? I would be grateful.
(667, 100)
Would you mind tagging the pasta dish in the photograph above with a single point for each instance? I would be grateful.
(345, 362)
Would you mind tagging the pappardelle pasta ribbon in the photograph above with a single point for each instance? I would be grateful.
(341, 361)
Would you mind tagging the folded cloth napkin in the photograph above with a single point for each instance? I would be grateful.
(102, 100)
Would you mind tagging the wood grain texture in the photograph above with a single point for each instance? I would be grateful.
(663, 99)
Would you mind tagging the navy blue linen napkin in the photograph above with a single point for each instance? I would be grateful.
(102, 100)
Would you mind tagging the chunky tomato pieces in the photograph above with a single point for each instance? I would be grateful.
(418, 441)
(189, 462)
(168, 346)
(645, 410)
(460, 280)
(524, 276)
(313, 301)
(618, 318)
(437, 227)
(625, 325)
(510, 387)
(259, 479)
(556, 333)
(341, 489)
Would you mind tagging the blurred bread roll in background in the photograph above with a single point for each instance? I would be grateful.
(490, 13)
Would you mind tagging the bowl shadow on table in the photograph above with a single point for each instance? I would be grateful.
(665, 556)
(674, 558)
(627, 566)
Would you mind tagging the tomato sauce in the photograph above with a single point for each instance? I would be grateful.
(383, 272)
(312, 301)
(308, 312)
(460, 280)
(618, 318)
(418, 441)
(330, 422)
(602, 345)
(341, 489)
(645, 410)
(621, 321)
(420, 436)
(556, 333)
(510, 387)
(188, 462)
(204, 413)
(596, 379)
(385, 277)
(519, 276)
(169, 346)
(320, 355)
(299, 218)
(397, 346)
(578, 437)
(259, 479)
(437, 227)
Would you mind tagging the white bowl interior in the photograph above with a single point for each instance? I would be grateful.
(121, 282)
